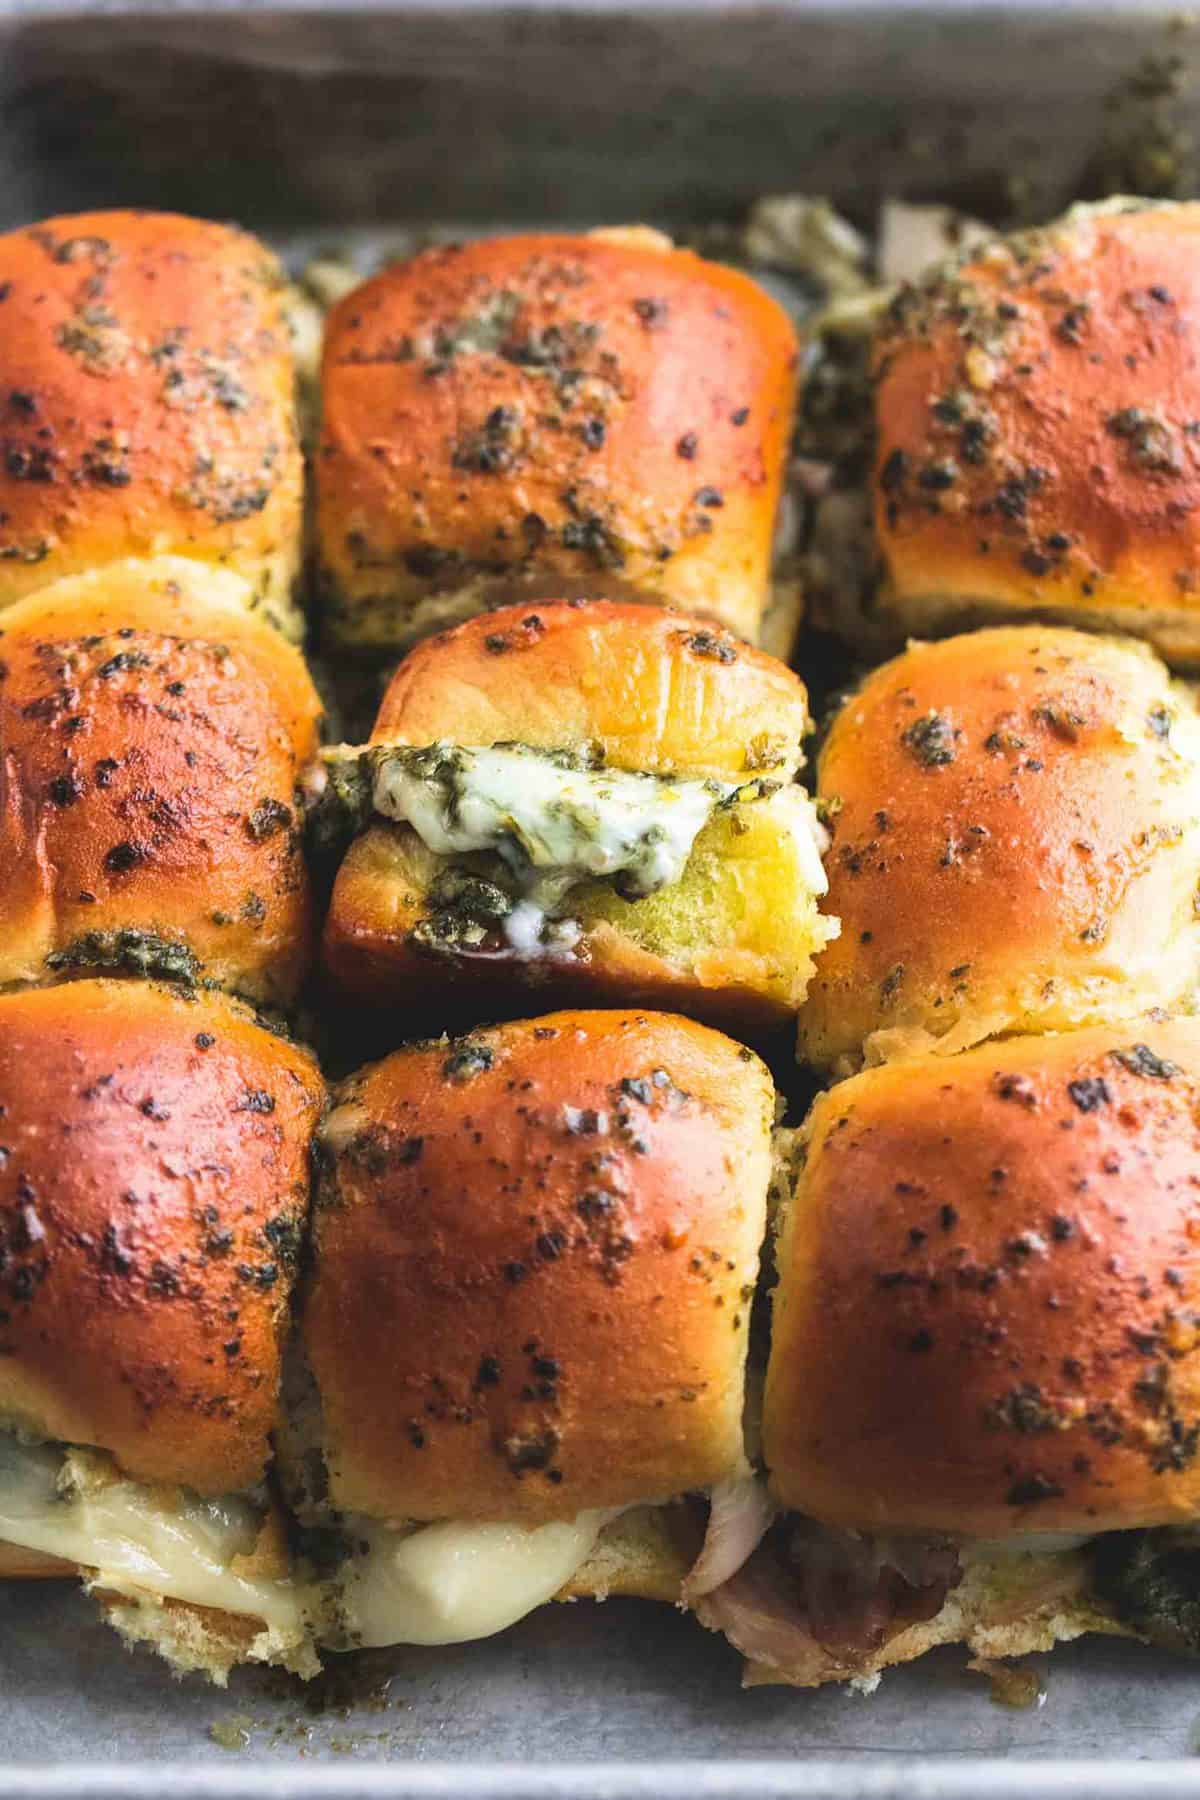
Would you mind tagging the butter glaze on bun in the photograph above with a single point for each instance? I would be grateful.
(1036, 438)
(153, 735)
(153, 1193)
(985, 1322)
(653, 690)
(502, 419)
(146, 403)
(535, 1250)
(1015, 820)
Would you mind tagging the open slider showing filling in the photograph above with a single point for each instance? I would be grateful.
(153, 1196)
(591, 801)
(535, 1250)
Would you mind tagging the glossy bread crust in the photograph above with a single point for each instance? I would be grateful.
(510, 417)
(146, 403)
(985, 1322)
(153, 1193)
(653, 690)
(153, 732)
(535, 1250)
(1036, 432)
(1015, 820)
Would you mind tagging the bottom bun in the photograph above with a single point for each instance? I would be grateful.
(19, 1564)
(1002, 1606)
(731, 942)
(198, 1640)
(641, 1556)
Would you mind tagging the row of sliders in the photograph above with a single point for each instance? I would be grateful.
(525, 1362)
(593, 802)
(501, 421)
(526, 417)
(510, 1343)
(523, 418)
(599, 804)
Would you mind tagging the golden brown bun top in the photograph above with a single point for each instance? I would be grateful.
(146, 396)
(535, 1255)
(153, 1188)
(604, 407)
(1036, 419)
(177, 599)
(656, 690)
(986, 1315)
(153, 733)
(1015, 819)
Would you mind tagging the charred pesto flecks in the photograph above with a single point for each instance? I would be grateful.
(136, 952)
(550, 820)
(146, 404)
(154, 737)
(599, 412)
(1035, 444)
(1151, 1579)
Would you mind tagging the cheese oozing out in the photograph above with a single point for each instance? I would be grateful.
(449, 1583)
(556, 821)
(136, 1540)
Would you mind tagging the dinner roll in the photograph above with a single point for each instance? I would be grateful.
(1037, 413)
(1015, 817)
(153, 1198)
(146, 404)
(154, 1174)
(643, 837)
(153, 733)
(544, 415)
(985, 1323)
(567, 1212)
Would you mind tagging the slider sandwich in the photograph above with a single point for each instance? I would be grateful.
(540, 416)
(586, 802)
(525, 1331)
(147, 404)
(1036, 447)
(153, 1198)
(982, 1409)
(1015, 826)
(153, 734)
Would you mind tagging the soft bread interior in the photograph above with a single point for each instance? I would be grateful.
(639, 1556)
(201, 1640)
(744, 913)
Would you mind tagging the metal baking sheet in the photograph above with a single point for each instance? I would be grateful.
(316, 120)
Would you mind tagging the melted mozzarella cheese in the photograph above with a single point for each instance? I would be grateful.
(552, 823)
(129, 1540)
(449, 1583)
(555, 824)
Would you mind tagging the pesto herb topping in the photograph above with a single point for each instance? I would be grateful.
(552, 819)
(141, 953)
